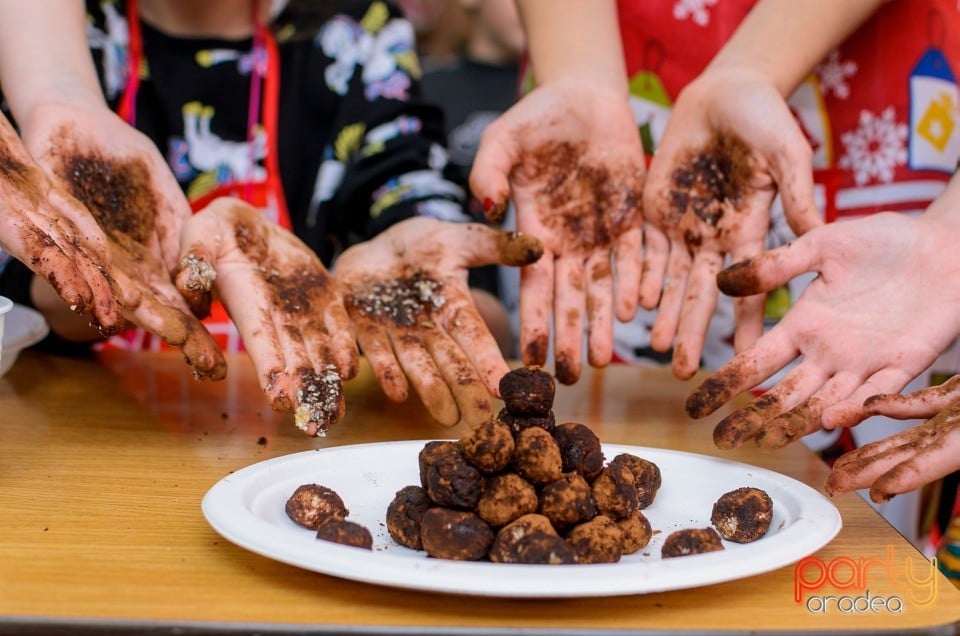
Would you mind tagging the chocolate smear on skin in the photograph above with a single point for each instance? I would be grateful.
(117, 193)
(401, 301)
(589, 205)
(716, 175)
(519, 249)
(740, 279)
(294, 291)
(18, 174)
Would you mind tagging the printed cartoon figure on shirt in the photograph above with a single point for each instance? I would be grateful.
(113, 41)
(210, 160)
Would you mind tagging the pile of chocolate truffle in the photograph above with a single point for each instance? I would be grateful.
(521, 489)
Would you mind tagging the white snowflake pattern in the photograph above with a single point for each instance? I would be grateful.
(875, 148)
(697, 10)
(833, 73)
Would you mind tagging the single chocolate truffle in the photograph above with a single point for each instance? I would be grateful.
(597, 541)
(691, 541)
(636, 532)
(454, 534)
(527, 391)
(579, 449)
(345, 533)
(505, 498)
(519, 422)
(453, 482)
(646, 477)
(567, 501)
(531, 539)
(743, 515)
(488, 446)
(404, 515)
(614, 492)
(431, 452)
(311, 505)
(536, 456)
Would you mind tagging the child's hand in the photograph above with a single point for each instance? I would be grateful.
(406, 292)
(285, 304)
(877, 315)
(55, 236)
(114, 169)
(730, 145)
(571, 159)
(908, 460)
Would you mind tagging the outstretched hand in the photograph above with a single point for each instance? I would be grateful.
(730, 145)
(121, 179)
(874, 318)
(406, 292)
(571, 159)
(908, 460)
(55, 236)
(285, 304)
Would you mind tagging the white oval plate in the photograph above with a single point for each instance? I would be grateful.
(247, 508)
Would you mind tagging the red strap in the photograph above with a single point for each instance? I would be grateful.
(128, 102)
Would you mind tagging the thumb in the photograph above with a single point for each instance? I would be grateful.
(195, 272)
(480, 245)
(489, 177)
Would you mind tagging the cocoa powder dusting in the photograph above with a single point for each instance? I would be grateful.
(294, 291)
(587, 204)
(117, 193)
(716, 175)
(401, 301)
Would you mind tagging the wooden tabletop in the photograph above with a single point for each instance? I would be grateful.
(104, 463)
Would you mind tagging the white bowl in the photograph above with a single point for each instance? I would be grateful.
(20, 327)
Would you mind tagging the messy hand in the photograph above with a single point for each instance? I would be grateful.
(908, 460)
(730, 145)
(874, 318)
(120, 177)
(54, 235)
(571, 159)
(286, 307)
(81, 145)
(406, 292)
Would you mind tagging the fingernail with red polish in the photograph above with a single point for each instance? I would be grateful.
(487, 204)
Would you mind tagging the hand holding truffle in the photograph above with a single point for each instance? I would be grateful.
(406, 292)
(854, 337)
(285, 305)
(908, 460)
(571, 159)
(730, 146)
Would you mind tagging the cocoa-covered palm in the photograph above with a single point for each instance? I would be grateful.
(54, 235)
(908, 460)
(406, 292)
(114, 169)
(572, 161)
(874, 318)
(286, 306)
(730, 146)
(121, 179)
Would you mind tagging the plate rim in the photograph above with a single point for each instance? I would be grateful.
(816, 526)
